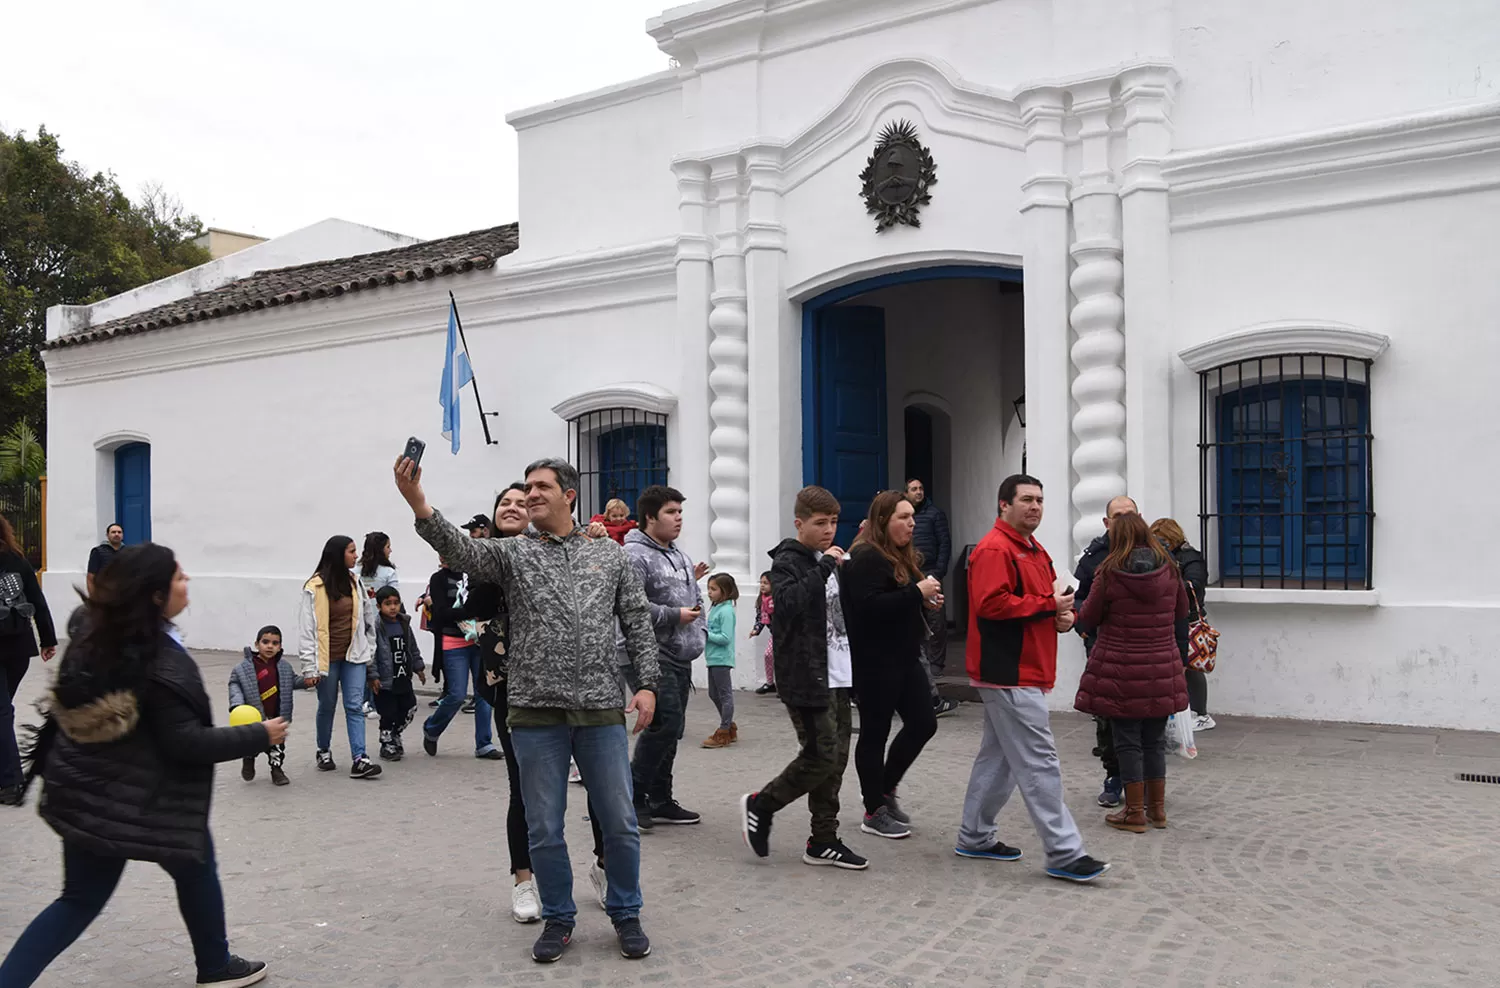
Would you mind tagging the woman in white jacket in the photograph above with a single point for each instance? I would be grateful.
(337, 622)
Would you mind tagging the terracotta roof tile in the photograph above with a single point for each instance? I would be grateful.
(321, 279)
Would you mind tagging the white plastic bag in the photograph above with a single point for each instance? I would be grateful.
(1180, 734)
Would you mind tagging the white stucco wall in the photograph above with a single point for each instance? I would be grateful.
(1386, 230)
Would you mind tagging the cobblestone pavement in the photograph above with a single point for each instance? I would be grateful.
(1299, 855)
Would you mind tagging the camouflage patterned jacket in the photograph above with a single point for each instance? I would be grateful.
(563, 595)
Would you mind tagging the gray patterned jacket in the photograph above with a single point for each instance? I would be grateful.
(666, 573)
(563, 595)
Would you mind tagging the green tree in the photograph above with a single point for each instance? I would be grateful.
(21, 454)
(71, 238)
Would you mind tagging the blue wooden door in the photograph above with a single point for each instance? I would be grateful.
(133, 491)
(851, 410)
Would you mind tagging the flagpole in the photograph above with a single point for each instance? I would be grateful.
(475, 379)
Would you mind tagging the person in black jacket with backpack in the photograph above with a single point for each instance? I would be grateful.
(885, 597)
(127, 754)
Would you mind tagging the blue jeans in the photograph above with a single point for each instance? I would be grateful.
(458, 665)
(603, 756)
(351, 675)
(88, 881)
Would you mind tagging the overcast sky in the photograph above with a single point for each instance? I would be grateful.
(266, 116)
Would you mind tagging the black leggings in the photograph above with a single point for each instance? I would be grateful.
(1197, 684)
(903, 691)
(1142, 748)
(515, 817)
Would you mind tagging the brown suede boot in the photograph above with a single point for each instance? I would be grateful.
(734, 732)
(1132, 816)
(1156, 803)
(719, 739)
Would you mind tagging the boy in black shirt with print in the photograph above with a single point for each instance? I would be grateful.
(397, 657)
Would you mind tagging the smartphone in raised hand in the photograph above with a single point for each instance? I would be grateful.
(414, 450)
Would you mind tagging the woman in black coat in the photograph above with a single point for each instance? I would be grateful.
(127, 754)
(1194, 571)
(21, 603)
(884, 593)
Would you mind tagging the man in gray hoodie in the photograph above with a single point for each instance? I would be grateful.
(671, 583)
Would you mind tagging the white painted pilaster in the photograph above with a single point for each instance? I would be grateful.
(1098, 314)
(694, 283)
(729, 377)
(1045, 259)
(1146, 94)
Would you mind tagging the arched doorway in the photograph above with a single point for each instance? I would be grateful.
(955, 331)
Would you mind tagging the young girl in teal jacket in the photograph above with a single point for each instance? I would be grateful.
(718, 655)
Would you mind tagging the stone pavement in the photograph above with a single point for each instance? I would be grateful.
(1300, 855)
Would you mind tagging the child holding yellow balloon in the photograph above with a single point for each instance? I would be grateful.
(260, 688)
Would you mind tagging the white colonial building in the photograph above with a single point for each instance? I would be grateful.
(1237, 260)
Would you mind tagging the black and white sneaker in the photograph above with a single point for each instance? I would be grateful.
(325, 761)
(673, 812)
(429, 745)
(247, 769)
(363, 768)
(765, 689)
(998, 851)
(634, 944)
(1085, 869)
(755, 825)
(468, 707)
(390, 753)
(549, 947)
(835, 854)
(238, 973)
(944, 706)
(882, 824)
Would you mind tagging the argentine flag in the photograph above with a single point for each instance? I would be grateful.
(456, 374)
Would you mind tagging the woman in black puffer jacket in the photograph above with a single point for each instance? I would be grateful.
(127, 754)
(1195, 575)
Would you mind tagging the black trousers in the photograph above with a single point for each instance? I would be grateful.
(881, 696)
(1197, 684)
(1142, 748)
(12, 670)
(515, 814)
(1104, 747)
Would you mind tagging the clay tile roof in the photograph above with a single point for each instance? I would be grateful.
(321, 279)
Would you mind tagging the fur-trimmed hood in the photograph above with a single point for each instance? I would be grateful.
(110, 717)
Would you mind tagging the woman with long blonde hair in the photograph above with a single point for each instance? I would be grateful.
(884, 594)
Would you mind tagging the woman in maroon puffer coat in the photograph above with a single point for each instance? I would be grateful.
(1134, 673)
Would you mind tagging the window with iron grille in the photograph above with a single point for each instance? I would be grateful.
(619, 452)
(1286, 474)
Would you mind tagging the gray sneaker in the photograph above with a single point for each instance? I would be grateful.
(894, 806)
(882, 824)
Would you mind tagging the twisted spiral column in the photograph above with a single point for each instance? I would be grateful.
(1097, 317)
(729, 380)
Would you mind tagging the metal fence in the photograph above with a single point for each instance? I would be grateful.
(619, 452)
(1285, 472)
(21, 504)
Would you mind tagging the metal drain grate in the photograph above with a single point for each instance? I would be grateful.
(1493, 780)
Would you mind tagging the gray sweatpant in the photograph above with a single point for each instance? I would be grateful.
(1017, 750)
(721, 692)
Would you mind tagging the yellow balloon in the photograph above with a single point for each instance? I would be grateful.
(244, 714)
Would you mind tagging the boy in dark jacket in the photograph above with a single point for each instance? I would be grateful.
(265, 680)
(397, 657)
(813, 678)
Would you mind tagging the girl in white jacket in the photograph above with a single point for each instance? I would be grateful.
(337, 621)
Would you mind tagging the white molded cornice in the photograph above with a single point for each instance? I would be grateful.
(630, 394)
(1440, 152)
(1279, 339)
(598, 99)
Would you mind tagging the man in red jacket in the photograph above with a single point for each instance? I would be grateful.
(1015, 616)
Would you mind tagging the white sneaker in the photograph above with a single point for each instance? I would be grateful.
(600, 883)
(1204, 723)
(525, 904)
(574, 776)
(370, 712)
